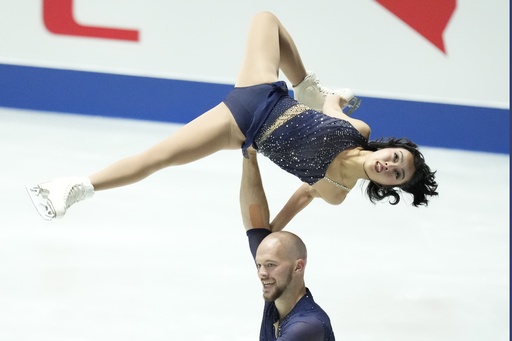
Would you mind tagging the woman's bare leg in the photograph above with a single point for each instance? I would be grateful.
(269, 48)
(213, 131)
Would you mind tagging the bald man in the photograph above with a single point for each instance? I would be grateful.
(290, 312)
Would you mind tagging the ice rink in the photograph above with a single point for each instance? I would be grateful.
(167, 258)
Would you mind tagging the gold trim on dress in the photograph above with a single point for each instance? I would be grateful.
(285, 117)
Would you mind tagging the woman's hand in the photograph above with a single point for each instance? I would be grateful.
(333, 107)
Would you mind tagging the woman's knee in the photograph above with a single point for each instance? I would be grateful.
(265, 18)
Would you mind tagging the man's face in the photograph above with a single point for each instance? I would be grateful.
(275, 270)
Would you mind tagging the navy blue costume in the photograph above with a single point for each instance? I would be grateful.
(298, 139)
(305, 322)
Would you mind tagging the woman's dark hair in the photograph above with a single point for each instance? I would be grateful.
(421, 185)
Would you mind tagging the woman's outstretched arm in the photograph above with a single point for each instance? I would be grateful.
(297, 202)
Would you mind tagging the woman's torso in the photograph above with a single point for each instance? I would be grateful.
(304, 142)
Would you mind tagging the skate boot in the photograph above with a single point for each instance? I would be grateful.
(311, 93)
(52, 199)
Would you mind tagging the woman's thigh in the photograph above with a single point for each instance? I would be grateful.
(262, 55)
(214, 130)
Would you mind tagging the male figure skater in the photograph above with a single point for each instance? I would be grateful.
(290, 311)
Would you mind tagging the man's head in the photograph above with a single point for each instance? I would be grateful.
(281, 259)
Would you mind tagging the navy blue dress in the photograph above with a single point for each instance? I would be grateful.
(298, 139)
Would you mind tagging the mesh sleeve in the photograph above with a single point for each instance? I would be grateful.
(308, 329)
(255, 237)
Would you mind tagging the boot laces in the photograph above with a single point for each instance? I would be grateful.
(320, 88)
(76, 193)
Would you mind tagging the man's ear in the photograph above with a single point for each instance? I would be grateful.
(299, 264)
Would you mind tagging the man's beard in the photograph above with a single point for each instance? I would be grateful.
(278, 290)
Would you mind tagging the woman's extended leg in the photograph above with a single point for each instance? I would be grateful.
(213, 131)
(269, 48)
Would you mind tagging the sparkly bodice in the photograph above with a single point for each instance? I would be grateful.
(303, 141)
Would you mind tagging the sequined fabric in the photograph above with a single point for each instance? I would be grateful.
(298, 139)
(280, 120)
(303, 141)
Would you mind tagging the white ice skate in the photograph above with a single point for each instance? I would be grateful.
(311, 93)
(52, 199)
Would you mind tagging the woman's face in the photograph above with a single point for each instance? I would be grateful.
(390, 166)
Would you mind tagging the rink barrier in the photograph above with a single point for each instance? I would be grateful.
(179, 101)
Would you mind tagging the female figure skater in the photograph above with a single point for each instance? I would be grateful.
(328, 151)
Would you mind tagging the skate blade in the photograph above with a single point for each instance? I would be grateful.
(352, 105)
(42, 205)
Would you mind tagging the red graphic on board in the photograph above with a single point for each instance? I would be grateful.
(58, 18)
(428, 18)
